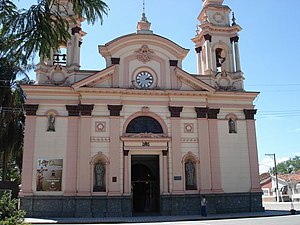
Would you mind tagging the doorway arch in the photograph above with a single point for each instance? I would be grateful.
(145, 183)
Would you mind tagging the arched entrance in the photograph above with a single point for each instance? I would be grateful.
(145, 183)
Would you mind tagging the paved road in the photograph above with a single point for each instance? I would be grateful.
(279, 220)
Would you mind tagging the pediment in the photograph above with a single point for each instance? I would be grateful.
(97, 78)
(192, 82)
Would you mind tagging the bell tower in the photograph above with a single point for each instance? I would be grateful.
(57, 69)
(216, 45)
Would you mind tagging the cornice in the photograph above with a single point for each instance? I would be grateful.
(139, 39)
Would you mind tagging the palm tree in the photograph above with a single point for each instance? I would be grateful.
(40, 28)
(23, 34)
(11, 115)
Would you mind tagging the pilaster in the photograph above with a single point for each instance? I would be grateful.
(115, 150)
(252, 149)
(72, 150)
(176, 150)
(84, 176)
(203, 150)
(28, 150)
(214, 150)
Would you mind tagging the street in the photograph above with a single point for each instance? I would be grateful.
(278, 220)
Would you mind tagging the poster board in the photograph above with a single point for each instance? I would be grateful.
(49, 174)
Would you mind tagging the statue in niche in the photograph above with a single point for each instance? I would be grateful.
(190, 174)
(232, 126)
(51, 123)
(220, 59)
(99, 175)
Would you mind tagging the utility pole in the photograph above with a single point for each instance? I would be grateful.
(276, 175)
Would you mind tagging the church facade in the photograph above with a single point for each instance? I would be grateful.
(142, 135)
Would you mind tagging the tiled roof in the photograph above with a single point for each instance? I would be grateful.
(264, 176)
(290, 177)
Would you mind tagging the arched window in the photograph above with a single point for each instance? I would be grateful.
(220, 59)
(144, 124)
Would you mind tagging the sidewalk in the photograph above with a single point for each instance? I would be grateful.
(147, 219)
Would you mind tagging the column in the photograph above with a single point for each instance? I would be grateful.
(114, 187)
(84, 153)
(72, 150)
(176, 149)
(199, 60)
(214, 150)
(28, 151)
(75, 54)
(252, 149)
(235, 40)
(127, 190)
(204, 153)
(207, 38)
(165, 172)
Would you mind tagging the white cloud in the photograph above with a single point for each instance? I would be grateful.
(268, 162)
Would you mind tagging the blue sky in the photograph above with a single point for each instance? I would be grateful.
(269, 46)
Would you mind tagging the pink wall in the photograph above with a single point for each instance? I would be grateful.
(28, 153)
(71, 159)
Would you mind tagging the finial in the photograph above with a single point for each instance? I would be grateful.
(233, 19)
(144, 18)
(197, 29)
(205, 17)
(143, 25)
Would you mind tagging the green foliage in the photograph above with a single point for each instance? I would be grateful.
(9, 213)
(40, 28)
(293, 164)
(11, 120)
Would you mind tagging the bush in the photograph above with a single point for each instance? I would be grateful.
(9, 213)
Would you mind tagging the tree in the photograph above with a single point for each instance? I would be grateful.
(11, 116)
(23, 34)
(40, 29)
(9, 214)
(293, 164)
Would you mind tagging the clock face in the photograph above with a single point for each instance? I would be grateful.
(144, 79)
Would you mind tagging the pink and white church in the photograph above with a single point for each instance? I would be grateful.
(142, 135)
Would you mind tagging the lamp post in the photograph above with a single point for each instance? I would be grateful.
(276, 175)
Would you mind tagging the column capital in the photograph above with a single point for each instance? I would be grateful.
(165, 152)
(175, 110)
(201, 112)
(115, 61)
(198, 49)
(125, 152)
(115, 109)
(234, 39)
(173, 62)
(249, 113)
(76, 30)
(31, 109)
(86, 110)
(213, 113)
(207, 37)
(73, 110)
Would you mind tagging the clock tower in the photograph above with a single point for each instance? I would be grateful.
(216, 45)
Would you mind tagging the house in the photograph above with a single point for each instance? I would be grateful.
(288, 186)
(142, 135)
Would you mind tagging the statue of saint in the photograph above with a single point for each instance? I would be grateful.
(51, 123)
(99, 171)
(232, 127)
(190, 170)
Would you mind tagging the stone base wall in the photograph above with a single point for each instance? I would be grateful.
(62, 206)
(217, 203)
(96, 206)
